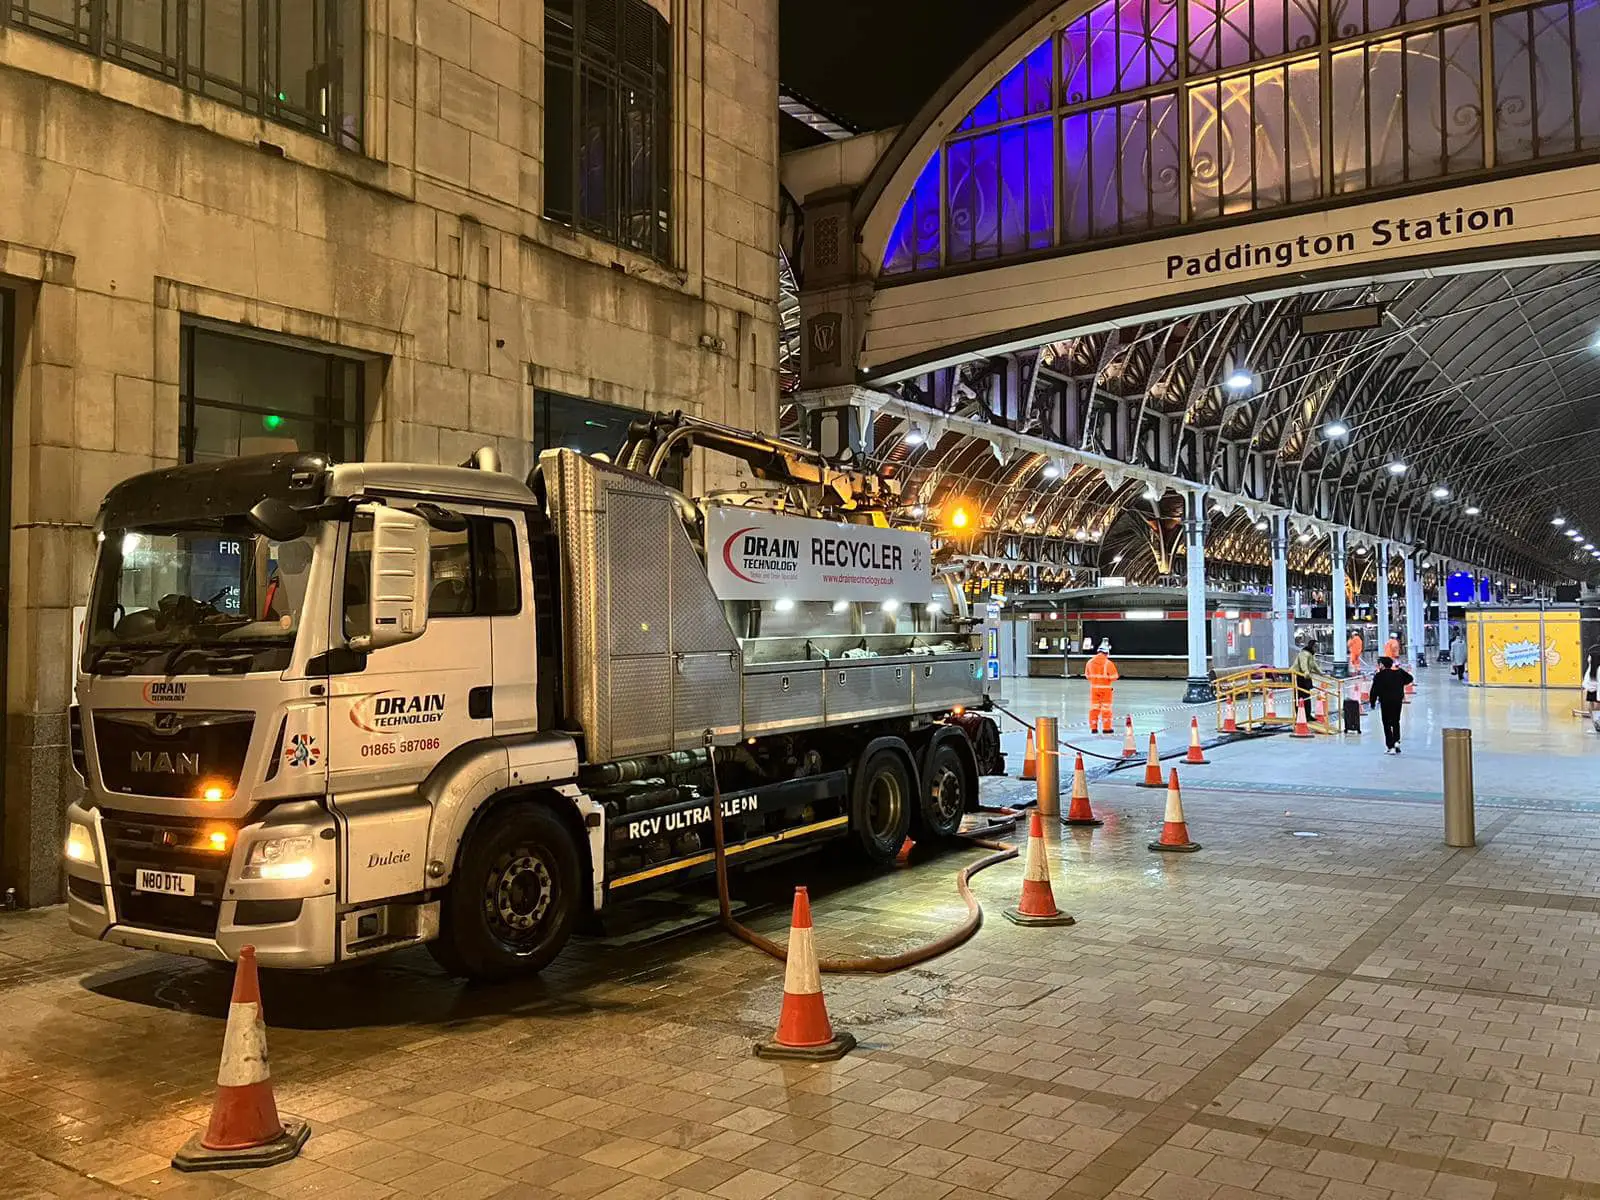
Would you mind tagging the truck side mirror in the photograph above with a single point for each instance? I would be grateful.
(276, 519)
(397, 580)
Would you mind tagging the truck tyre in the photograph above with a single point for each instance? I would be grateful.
(945, 798)
(881, 803)
(514, 899)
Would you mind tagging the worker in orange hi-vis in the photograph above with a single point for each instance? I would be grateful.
(1355, 646)
(1102, 675)
(1391, 649)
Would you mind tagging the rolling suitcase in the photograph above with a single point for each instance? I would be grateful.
(1352, 716)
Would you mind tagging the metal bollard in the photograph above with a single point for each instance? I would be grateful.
(1460, 826)
(1049, 780)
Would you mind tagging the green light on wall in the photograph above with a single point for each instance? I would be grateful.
(272, 422)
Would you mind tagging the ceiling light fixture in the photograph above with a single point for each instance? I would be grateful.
(1335, 429)
(1473, 510)
(1441, 492)
(1239, 381)
(1558, 520)
(1397, 468)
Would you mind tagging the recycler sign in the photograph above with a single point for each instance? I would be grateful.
(754, 555)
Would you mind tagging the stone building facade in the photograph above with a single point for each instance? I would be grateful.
(386, 228)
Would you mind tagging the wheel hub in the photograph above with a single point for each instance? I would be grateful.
(947, 794)
(520, 891)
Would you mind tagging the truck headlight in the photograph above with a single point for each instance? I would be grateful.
(280, 858)
(80, 845)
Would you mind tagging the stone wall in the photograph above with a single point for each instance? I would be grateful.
(128, 208)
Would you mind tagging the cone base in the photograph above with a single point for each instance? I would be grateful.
(841, 1045)
(1082, 821)
(1202, 761)
(1184, 848)
(1304, 737)
(1162, 784)
(1017, 917)
(195, 1157)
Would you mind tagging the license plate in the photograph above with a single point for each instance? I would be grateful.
(165, 882)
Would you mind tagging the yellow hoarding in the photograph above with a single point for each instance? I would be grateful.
(1523, 648)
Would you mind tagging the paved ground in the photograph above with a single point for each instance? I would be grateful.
(1354, 1015)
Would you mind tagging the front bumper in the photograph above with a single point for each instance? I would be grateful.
(293, 924)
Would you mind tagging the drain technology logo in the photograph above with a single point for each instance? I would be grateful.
(390, 712)
(772, 556)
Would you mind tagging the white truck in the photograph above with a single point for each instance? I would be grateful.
(330, 710)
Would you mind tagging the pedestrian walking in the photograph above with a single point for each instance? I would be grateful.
(1458, 655)
(1389, 698)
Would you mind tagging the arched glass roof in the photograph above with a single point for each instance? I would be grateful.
(1136, 116)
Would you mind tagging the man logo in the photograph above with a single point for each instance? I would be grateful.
(147, 762)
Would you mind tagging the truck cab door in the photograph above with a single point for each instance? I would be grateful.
(397, 710)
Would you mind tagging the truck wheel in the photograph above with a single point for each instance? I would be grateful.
(944, 795)
(514, 899)
(881, 803)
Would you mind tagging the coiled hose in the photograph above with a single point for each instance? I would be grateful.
(877, 964)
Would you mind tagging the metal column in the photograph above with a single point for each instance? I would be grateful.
(1282, 647)
(1338, 542)
(1460, 824)
(1383, 597)
(1194, 528)
(1414, 613)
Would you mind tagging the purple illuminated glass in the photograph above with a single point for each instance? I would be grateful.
(914, 244)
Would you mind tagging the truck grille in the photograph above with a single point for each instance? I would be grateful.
(171, 752)
(164, 844)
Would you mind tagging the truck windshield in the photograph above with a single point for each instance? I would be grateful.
(219, 589)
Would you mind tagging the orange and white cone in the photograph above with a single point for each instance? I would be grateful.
(1152, 768)
(1322, 708)
(1301, 728)
(1230, 721)
(1030, 758)
(1174, 830)
(1196, 756)
(1038, 903)
(903, 858)
(804, 1031)
(1129, 750)
(1079, 812)
(1271, 713)
(245, 1129)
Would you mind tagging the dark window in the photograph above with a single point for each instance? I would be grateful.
(608, 121)
(293, 61)
(473, 571)
(589, 426)
(244, 396)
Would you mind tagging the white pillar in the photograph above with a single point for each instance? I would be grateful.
(1382, 600)
(1194, 529)
(1281, 623)
(1414, 613)
(1336, 604)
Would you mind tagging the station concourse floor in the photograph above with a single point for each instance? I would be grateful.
(1324, 1003)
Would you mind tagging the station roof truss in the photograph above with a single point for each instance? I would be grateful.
(1075, 455)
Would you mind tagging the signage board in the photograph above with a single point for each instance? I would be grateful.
(752, 555)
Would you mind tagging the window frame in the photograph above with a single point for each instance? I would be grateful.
(97, 28)
(330, 429)
(591, 64)
(480, 535)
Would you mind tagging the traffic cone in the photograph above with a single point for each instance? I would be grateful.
(1079, 812)
(1271, 713)
(1128, 748)
(903, 858)
(1038, 903)
(1174, 830)
(245, 1129)
(1152, 768)
(1301, 729)
(1322, 708)
(1230, 721)
(1030, 758)
(804, 1031)
(1196, 756)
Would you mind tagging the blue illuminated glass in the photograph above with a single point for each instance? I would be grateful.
(1111, 127)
